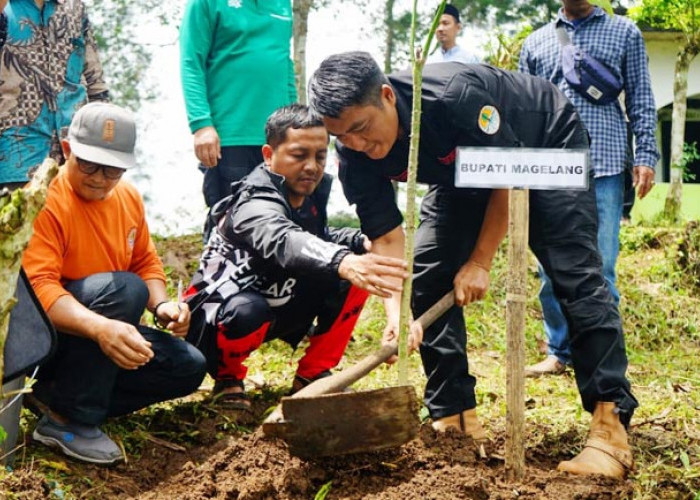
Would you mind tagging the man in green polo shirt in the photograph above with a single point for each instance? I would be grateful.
(236, 70)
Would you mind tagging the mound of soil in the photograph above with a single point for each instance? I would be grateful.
(432, 466)
(230, 458)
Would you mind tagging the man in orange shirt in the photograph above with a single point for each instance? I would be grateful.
(94, 268)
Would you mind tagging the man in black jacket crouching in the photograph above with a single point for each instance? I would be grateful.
(272, 267)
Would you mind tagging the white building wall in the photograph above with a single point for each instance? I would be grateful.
(662, 49)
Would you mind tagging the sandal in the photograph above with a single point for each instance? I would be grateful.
(301, 382)
(230, 400)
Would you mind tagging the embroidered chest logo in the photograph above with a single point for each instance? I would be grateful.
(236, 4)
(131, 238)
(489, 120)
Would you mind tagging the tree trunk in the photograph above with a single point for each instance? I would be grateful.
(389, 34)
(672, 208)
(17, 213)
(389, 47)
(410, 216)
(418, 57)
(300, 10)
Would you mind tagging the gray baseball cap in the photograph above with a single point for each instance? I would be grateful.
(103, 133)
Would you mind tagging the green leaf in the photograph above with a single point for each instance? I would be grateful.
(3, 434)
(685, 460)
(323, 492)
(424, 414)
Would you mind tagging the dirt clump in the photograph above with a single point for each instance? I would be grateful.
(432, 466)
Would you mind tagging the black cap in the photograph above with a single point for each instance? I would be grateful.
(452, 11)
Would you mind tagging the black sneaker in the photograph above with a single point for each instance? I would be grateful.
(84, 442)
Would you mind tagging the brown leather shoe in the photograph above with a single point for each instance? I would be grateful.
(468, 423)
(550, 366)
(607, 451)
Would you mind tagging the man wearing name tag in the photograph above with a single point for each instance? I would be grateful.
(617, 43)
(461, 228)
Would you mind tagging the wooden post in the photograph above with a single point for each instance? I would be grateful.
(518, 222)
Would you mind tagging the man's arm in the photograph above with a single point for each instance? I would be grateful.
(373, 197)
(472, 279)
(348, 237)
(264, 226)
(171, 313)
(641, 110)
(196, 32)
(120, 341)
(97, 89)
(391, 244)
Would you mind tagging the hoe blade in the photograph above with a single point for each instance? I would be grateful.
(347, 422)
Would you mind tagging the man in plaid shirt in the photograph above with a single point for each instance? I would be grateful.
(617, 43)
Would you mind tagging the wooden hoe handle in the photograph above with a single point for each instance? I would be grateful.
(343, 379)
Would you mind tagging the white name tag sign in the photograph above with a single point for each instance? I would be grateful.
(521, 168)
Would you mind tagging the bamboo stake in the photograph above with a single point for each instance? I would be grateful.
(518, 222)
(17, 213)
(418, 59)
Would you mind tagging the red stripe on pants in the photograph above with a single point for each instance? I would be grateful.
(233, 352)
(326, 349)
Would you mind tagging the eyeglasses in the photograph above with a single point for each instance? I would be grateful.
(89, 168)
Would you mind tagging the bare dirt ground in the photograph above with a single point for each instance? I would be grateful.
(225, 463)
(430, 467)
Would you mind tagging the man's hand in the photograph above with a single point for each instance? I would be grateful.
(391, 335)
(175, 317)
(207, 146)
(373, 273)
(123, 344)
(471, 283)
(643, 180)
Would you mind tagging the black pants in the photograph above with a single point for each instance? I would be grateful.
(327, 313)
(236, 162)
(563, 229)
(82, 384)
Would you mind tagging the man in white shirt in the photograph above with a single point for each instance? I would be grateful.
(446, 33)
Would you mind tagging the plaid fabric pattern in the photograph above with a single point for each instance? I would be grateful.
(616, 42)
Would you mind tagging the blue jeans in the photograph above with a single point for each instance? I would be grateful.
(82, 384)
(609, 193)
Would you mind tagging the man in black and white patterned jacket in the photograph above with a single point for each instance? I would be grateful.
(273, 269)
